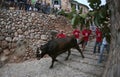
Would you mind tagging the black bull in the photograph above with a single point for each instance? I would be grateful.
(58, 46)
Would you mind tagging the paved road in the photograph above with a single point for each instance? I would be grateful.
(76, 66)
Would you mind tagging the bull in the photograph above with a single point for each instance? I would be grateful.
(56, 47)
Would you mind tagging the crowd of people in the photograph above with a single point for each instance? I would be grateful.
(101, 39)
(28, 5)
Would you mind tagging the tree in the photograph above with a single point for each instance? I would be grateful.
(75, 17)
(113, 65)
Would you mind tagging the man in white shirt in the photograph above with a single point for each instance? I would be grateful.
(104, 45)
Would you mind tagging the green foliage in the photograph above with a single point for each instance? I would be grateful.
(101, 15)
(74, 21)
(106, 32)
(94, 4)
(73, 16)
(77, 18)
(99, 12)
(98, 15)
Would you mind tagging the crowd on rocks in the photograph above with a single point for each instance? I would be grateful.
(29, 5)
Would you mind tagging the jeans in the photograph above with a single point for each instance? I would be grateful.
(102, 51)
(27, 6)
(97, 44)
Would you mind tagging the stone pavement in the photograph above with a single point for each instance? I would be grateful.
(76, 66)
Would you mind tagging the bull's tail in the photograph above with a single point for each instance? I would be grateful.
(37, 52)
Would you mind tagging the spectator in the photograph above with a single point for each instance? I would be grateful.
(86, 33)
(105, 43)
(28, 4)
(24, 4)
(93, 29)
(16, 4)
(76, 33)
(37, 5)
(48, 8)
(43, 5)
(12, 4)
(98, 40)
(21, 4)
(33, 2)
(61, 35)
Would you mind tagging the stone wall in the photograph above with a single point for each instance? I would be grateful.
(21, 32)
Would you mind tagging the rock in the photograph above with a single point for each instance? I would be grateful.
(13, 28)
(19, 31)
(1, 50)
(16, 34)
(21, 48)
(29, 20)
(37, 36)
(15, 57)
(33, 14)
(20, 42)
(15, 39)
(32, 35)
(9, 39)
(2, 38)
(21, 37)
(6, 52)
(12, 50)
(26, 33)
(52, 16)
(43, 37)
(1, 64)
(3, 58)
(4, 44)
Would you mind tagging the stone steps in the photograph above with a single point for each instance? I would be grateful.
(75, 66)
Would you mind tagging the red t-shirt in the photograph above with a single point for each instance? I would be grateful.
(61, 35)
(76, 33)
(98, 36)
(86, 34)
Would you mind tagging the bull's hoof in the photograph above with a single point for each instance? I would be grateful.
(83, 57)
(50, 67)
(66, 59)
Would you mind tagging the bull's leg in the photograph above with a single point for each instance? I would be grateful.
(52, 63)
(53, 60)
(77, 47)
(69, 52)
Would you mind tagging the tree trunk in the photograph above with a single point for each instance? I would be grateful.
(113, 64)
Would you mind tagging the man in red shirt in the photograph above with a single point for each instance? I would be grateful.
(76, 33)
(98, 40)
(86, 33)
(61, 35)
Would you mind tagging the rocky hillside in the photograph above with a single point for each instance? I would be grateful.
(21, 32)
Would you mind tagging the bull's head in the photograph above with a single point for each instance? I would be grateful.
(40, 54)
